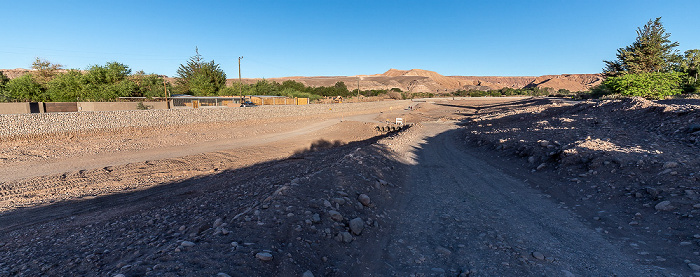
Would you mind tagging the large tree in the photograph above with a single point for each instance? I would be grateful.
(199, 77)
(652, 51)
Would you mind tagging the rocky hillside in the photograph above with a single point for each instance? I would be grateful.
(419, 80)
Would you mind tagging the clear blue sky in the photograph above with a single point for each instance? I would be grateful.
(334, 37)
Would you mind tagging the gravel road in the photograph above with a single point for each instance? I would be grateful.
(460, 215)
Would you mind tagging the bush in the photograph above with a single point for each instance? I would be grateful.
(24, 88)
(66, 87)
(657, 85)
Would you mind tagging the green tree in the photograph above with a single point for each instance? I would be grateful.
(652, 51)
(25, 88)
(690, 65)
(66, 87)
(3, 83)
(107, 83)
(45, 70)
(149, 85)
(199, 77)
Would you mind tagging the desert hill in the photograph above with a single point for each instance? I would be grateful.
(419, 80)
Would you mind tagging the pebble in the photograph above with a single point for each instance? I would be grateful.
(686, 243)
(694, 267)
(187, 244)
(264, 256)
(664, 206)
(218, 223)
(120, 275)
(343, 237)
(356, 225)
(340, 201)
(308, 273)
(670, 164)
(316, 218)
(443, 251)
(364, 199)
(335, 215)
(221, 274)
(538, 255)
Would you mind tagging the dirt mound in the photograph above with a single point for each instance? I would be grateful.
(632, 163)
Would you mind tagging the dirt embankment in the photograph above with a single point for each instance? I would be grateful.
(629, 167)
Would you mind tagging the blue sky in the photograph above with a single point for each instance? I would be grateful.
(337, 38)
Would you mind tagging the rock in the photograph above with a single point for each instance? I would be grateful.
(316, 218)
(685, 243)
(307, 274)
(692, 128)
(340, 201)
(326, 203)
(670, 164)
(120, 275)
(218, 222)
(364, 199)
(443, 251)
(664, 206)
(221, 274)
(335, 215)
(264, 256)
(187, 244)
(343, 237)
(694, 267)
(541, 166)
(544, 143)
(356, 226)
(538, 255)
(567, 273)
(531, 159)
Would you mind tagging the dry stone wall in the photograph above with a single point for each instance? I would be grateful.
(34, 125)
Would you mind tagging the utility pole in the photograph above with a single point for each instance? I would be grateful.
(240, 87)
(165, 88)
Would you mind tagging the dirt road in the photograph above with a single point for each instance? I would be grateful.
(288, 201)
(459, 214)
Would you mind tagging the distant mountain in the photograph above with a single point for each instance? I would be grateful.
(419, 80)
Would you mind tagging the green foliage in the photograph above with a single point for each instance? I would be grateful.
(652, 51)
(656, 85)
(690, 63)
(3, 83)
(106, 83)
(141, 106)
(66, 87)
(200, 78)
(24, 88)
(150, 85)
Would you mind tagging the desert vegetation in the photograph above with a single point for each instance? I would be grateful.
(651, 67)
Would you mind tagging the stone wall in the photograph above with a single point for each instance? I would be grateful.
(38, 124)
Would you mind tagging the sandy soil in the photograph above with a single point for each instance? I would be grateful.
(476, 187)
